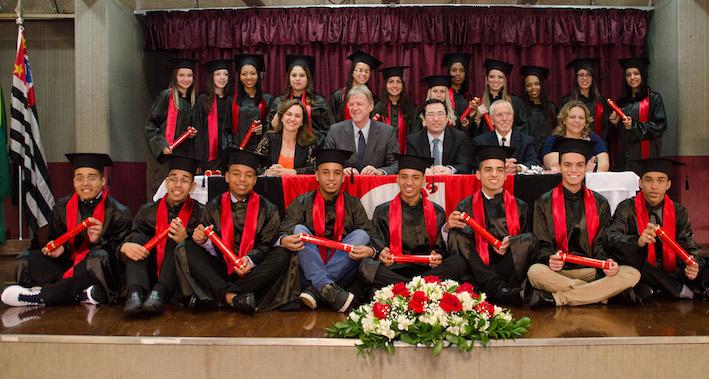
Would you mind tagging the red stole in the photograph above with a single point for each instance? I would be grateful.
(346, 110)
(644, 116)
(308, 108)
(235, 115)
(558, 208)
(162, 223)
(171, 122)
(72, 219)
(598, 119)
(213, 130)
(248, 236)
(319, 220)
(395, 220)
(511, 218)
(400, 127)
(669, 259)
(451, 95)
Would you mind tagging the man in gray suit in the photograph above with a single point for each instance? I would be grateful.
(373, 143)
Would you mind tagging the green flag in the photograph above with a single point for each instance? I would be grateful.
(4, 167)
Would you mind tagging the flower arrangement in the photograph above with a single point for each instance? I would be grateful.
(428, 312)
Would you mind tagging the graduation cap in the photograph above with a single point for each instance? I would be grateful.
(332, 156)
(663, 165)
(539, 72)
(437, 80)
(236, 155)
(414, 162)
(305, 61)
(635, 62)
(587, 64)
(255, 60)
(494, 64)
(393, 71)
(218, 64)
(450, 58)
(177, 62)
(181, 162)
(361, 56)
(565, 145)
(92, 160)
(485, 152)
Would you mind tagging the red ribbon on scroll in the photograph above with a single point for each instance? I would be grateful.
(189, 133)
(681, 253)
(64, 238)
(584, 261)
(481, 231)
(324, 242)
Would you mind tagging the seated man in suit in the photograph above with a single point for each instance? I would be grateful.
(502, 117)
(449, 147)
(373, 142)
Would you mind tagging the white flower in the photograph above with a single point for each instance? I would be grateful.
(403, 322)
(466, 301)
(384, 295)
(354, 317)
(368, 324)
(415, 283)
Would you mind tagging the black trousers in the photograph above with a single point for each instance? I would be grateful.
(32, 268)
(143, 274)
(378, 275)
(210, 273)
(509, 270)
(671, 283)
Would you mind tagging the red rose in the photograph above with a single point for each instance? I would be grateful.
(485, 307)
(466, 287)
(401, 290)
(450, 303)
(431, 279)
(417, 302)
(381, 310)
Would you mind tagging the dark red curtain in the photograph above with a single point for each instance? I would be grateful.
(415, 36)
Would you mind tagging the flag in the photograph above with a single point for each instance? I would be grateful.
(4, 167)
(25, 142)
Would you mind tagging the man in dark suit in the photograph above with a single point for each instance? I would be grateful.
(448, 147)
(373, 143)
(502, 117)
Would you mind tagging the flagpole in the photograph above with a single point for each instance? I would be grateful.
(20, 171)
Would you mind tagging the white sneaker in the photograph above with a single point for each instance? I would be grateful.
(18, 296)
(94, 295)
(308, 299)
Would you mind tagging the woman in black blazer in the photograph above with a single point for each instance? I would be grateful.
(290, 146)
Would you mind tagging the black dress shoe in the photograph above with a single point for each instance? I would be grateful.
(244, 303)
(627, 297)
(134, 304)
(644, 292)
(195, 304)
(154, 303)
(509, 296)
(541, 299)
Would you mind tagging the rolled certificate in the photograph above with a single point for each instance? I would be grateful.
(469, 109)
(189, 133)
(585, 261)
(247, 137)
(481, 231)
(490, 126)
(324, 242)
(157, 238)
(377, 117)
(407, 258)
(212, 235)
(681, 253)
(64, 238)
(616, 109)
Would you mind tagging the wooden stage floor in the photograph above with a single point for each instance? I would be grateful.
(658, 318)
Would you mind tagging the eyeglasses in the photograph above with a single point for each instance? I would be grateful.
(362, 71)
(176, 180)
(91, 179)
(435, 114)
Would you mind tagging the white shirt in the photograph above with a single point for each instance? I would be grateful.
(440, 146)
(508, 137)
(364, 130)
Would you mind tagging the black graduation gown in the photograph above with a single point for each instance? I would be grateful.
(575, 219)
(270, 146)
(155, 125)
(143, 273)
(248, 112)
(621, 242)
(541, 122)
(507, 270)
(630, 139)
(409, 113)
(520, 121)
(200, 122)
(319, 112)
(100, 267)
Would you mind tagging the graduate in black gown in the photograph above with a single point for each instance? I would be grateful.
(395, 107)
(632, 240)
(541, 113)
(640, 135)
(328, 212)
(300, 85)
(361, 71)
(410, 224)
(153, 272)
(249, 103)
(457, 65)
(586, 90)
(170, 116)
(86, 268)
(248, 224)
(497, 272)
(496, 88)
(572, 219)
(211, 115)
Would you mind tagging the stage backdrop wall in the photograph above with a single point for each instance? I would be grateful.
(415, 36)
